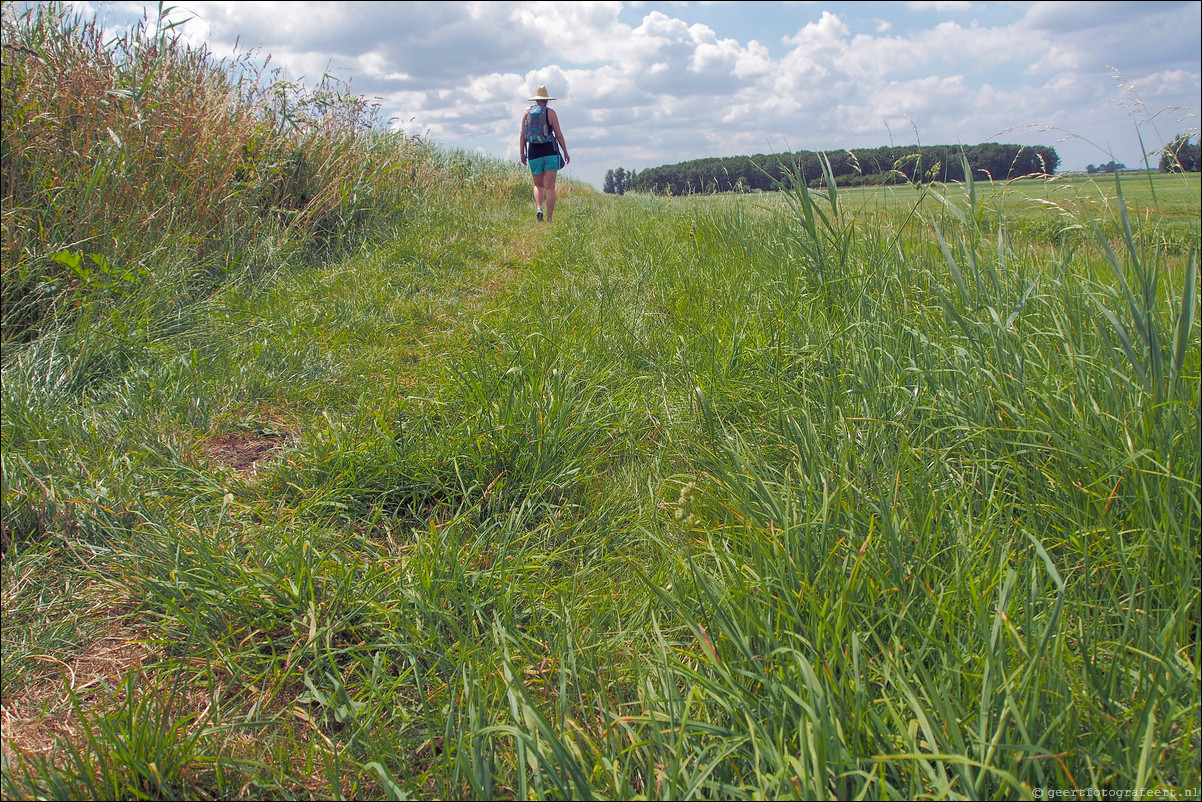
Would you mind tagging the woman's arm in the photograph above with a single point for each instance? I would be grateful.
(522, 137)
(553, 118)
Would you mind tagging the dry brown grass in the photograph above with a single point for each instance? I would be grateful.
(38, 714)
(244, 452)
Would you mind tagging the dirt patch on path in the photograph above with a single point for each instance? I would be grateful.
(245, 452)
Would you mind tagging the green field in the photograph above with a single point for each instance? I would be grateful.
(1039, 209)
(881, 493)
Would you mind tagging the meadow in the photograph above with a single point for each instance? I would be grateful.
(372, 487)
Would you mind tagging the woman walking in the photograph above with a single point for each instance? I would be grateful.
(543, 147)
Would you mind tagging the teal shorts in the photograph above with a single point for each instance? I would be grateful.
(544, 163)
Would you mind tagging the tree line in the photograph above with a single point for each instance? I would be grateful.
(882, 165)
(873, 166)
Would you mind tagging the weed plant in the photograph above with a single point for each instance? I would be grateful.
(819, 494)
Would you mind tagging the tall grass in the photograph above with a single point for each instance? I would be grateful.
(140, 173)
(820, 495)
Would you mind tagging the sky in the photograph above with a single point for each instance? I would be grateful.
(642, 84)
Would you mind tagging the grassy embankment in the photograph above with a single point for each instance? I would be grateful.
(351, 481)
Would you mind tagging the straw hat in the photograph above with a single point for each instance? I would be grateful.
(541, 94)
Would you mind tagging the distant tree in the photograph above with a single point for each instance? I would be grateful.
(1182, 154)
(618, 181)
(1109, 167)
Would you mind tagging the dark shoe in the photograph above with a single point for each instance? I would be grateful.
(540, 215)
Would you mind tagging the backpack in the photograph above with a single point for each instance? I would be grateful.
(538, 127)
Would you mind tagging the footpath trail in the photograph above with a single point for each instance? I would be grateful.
(389, 319)
(286, 387)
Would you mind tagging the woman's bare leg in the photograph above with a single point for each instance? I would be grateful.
(549, 192)
(538, 190)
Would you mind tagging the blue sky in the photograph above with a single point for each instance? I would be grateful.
(639, 84)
